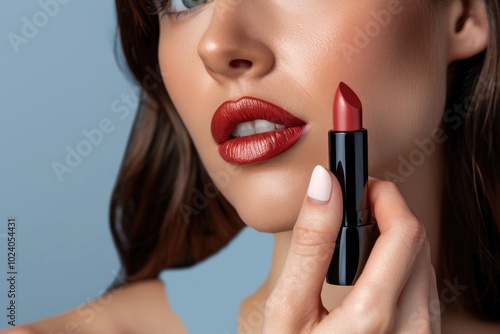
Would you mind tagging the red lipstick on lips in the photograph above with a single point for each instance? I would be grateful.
(256, 147)
(348, 155)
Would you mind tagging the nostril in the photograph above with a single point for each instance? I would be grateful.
(240, 63)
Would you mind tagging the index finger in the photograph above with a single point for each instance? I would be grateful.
(395, 251)
(299, 287)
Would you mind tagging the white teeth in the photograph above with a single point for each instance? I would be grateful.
(263, 126)
(245, 129)
(253, 127)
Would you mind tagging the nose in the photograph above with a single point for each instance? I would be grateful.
(232, 47)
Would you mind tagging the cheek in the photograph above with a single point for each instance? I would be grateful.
(187, 84)
(390, 54)
(400, 73)
(182, 73)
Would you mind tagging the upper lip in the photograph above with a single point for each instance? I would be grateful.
(231, 113)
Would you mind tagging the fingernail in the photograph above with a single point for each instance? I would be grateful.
(320, 186)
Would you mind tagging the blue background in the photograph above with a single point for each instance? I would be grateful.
(62, 81)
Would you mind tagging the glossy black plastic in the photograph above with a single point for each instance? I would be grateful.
(349, 162)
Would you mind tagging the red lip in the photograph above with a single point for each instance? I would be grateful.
(257, 147)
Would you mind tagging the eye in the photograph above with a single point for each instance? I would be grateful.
(177, 6)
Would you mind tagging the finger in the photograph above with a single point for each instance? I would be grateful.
(414, 312)
(299, 286)
(393, 256)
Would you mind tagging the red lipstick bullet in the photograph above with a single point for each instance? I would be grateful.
(347, 110)
(348, 155)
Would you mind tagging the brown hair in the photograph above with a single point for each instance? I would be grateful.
(155, 221)
(161, 168)
(470, 224)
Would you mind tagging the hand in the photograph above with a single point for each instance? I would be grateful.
(395, 293)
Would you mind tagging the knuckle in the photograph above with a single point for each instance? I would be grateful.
(414, 233)
(311, 242)
(389, 186)
(420, 236)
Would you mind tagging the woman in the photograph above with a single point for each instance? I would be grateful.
(427, 73)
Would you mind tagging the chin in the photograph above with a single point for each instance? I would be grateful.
(268, 196)
(269, 223)
(271, 201)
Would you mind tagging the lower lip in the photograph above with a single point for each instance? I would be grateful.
(259, 147)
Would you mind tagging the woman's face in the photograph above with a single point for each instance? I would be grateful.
(293, 54)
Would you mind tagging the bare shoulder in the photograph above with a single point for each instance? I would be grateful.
(138, 308)
(144, 308)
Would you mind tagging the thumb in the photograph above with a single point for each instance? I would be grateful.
(299, 286)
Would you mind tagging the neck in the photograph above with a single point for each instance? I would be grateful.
(422, 190)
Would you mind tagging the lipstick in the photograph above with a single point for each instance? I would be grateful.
(348, 155)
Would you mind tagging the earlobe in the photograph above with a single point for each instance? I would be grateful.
(468, 29)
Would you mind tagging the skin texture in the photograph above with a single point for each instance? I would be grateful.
(304, 58)
(294, 53)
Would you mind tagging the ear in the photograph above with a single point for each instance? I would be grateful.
(468, 29)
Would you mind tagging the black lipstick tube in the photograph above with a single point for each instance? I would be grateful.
(349, 162)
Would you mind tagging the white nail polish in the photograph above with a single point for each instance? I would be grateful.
(320, 186)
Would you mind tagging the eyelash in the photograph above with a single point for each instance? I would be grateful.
(159, 7)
